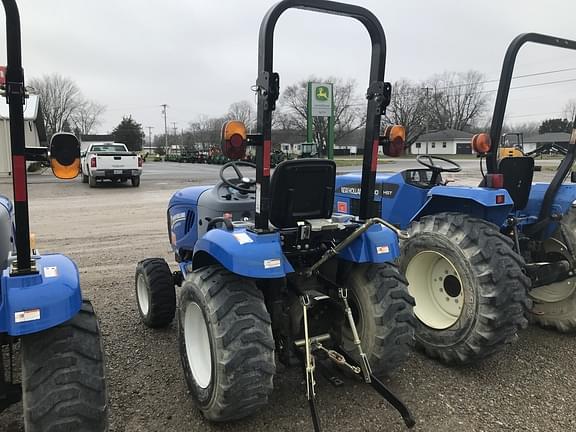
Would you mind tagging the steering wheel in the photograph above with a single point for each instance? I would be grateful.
(241, 183)
(452, 167)
(438, 168)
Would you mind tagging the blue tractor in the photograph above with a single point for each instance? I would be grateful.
(42, 311)
(482, 261)
(267, 271)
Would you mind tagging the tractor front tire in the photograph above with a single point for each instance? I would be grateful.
(63, 383)
(555, 304)
(382, 310)
(469, 286)
(155, 292)
(226, 344)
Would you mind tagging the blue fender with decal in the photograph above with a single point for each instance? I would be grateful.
(245, 253)
(377, 245)
(493, 205)
(32, 303)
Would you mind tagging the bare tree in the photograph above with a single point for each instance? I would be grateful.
(63, 104)
(570, 110)
(59, 96)
(243, 111)
(87, 116)
(205, 131)
(526, 129)
(407, 108)
(292, 111)
(458, 100)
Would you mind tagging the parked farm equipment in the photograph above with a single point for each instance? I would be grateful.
(479, 260)
(266, 268)
(41, 307)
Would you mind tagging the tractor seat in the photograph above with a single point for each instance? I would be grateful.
(302, 189)
(518, 173)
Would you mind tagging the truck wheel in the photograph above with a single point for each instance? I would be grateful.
(382, 310)
(470, 290)
(136, 181)
(226, 344)
(555, 304)
(155, 292)
(91, 181)
(63, 384)
(84, 178)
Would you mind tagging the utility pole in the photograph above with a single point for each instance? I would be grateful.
(164, 106)
(150, 135)
(427, 114)
(175, 142)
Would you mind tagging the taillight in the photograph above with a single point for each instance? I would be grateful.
(500, 199)
(495, 181)
(93, 162)
(139, 162)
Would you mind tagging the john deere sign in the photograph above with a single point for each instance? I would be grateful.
(321, 100)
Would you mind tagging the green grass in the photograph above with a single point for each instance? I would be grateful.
(344, 162)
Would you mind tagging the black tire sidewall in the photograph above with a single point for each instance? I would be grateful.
(470, 287)
(140, 272)
(159, 299)
(360, 297)
(191, 294)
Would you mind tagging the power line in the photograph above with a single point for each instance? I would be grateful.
(495, 90)
(513, 77)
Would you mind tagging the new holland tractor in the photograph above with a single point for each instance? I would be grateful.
(62, 383)
(481, 261)
(269, 272)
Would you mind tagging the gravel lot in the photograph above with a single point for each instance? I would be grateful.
(109, 229)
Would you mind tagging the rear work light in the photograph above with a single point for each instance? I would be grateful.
(93, 162)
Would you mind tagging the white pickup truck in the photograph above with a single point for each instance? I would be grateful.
(110, 161)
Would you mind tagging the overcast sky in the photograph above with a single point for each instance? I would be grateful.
(200, 56)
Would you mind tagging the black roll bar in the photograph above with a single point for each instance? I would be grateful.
(504, 86)
(15, 95)
(268, 85)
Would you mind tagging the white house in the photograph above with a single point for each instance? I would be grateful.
(34, 132)
(449, 142)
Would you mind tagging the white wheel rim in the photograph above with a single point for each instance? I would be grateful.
(197, 345)
(437, 289)
(142, 291)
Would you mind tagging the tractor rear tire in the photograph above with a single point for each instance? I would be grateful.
(555, 306)
(382, 309)
(469, 286)
(155, 292)
(63, 383)
(226, 344)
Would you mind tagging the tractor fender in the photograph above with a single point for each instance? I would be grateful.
(493, 205)
(243, 253)
(378, 244)
(36, 302)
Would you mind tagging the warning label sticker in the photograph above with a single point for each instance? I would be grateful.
(27, 315)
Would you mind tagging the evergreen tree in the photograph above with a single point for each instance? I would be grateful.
(130, 133)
